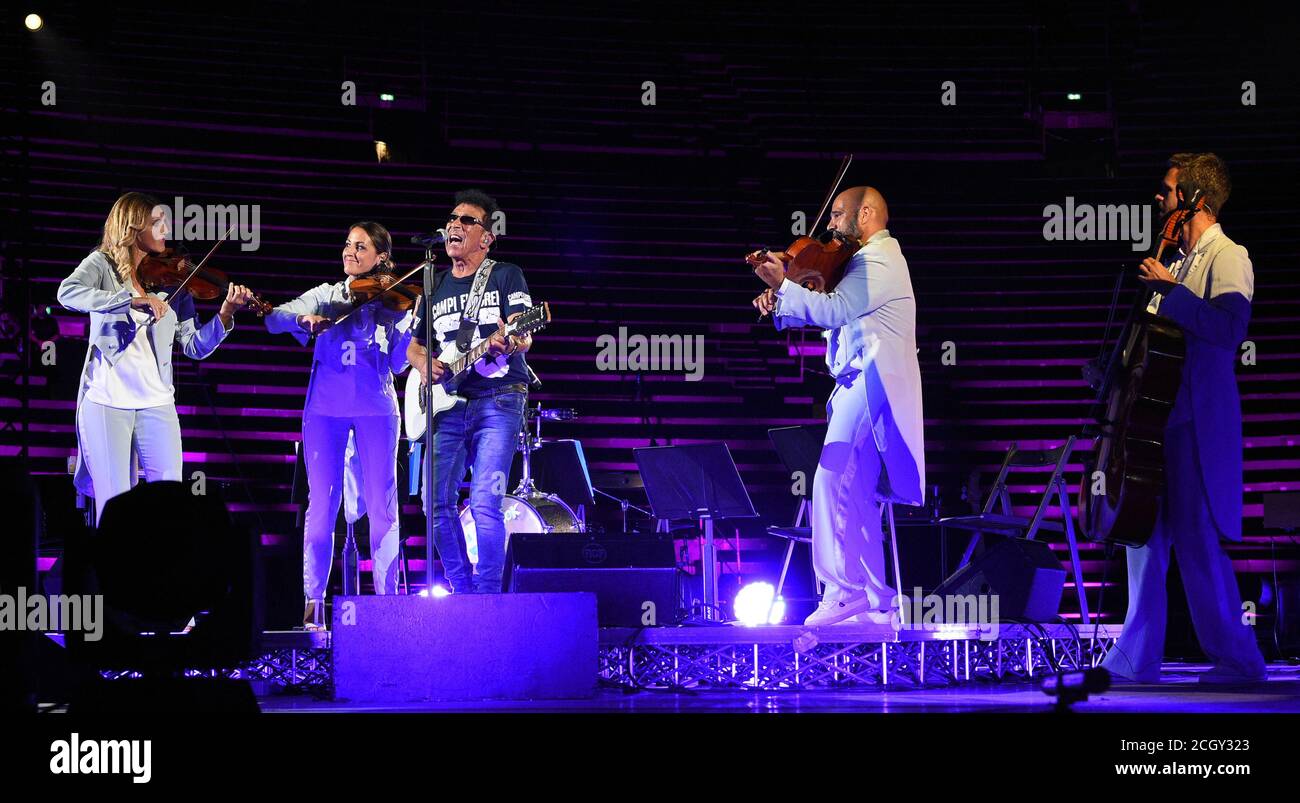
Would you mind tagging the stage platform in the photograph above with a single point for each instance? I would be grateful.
(791, 669)
(769, 658)
(1178, 693)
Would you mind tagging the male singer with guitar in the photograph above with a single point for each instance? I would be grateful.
(873, 450)
(482, 430)
(1207, 292)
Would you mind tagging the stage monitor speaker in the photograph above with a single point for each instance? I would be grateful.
(634, 577)
(1026, 577)
(394, 649)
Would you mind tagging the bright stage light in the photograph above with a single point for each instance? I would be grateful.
(438, 592)
(756, 605)
(1074, 96)
(387, 97)
(34, 22)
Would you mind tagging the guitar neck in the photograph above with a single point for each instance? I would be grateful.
(468, 359)
(533, 320)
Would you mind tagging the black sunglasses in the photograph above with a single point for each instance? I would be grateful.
(465, 220)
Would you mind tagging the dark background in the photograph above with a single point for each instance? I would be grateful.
(625, 214)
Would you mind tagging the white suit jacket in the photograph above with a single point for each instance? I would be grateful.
(871, 321)
(94, 287)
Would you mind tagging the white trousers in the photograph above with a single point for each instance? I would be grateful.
(111, 438)
(325, 441)
(847, 541)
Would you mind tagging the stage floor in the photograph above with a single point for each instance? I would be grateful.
(1177, 693)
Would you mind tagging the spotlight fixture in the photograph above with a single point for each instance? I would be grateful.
(1074, 687)
(34, 22)
(1074, 96)
(387, 97)
(757, 604)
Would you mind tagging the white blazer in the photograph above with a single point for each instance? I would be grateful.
(871, 321)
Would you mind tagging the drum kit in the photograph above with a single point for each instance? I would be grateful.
(529, 509)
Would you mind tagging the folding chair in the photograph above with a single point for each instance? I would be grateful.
(798, 534)
(800, 448)
(1009, 524)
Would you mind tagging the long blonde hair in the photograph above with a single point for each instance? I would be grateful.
(130, 215)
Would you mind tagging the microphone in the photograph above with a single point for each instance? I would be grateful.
(430, 239)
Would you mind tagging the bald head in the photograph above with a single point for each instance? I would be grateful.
(872, 199)
(859, 212)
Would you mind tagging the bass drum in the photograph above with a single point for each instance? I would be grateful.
(537, 513)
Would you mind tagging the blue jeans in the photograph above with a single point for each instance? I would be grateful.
(482, 433)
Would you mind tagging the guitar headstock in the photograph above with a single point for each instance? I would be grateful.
(534, 319)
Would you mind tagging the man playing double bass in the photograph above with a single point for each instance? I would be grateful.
(873, 448)
(1207, 292)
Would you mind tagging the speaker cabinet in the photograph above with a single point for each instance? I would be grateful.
(1025, 575)
(634, 577)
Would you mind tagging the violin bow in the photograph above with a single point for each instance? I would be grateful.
(194, 271)
(830, 196)
(835, 187)
(202, 262)
(408, 275)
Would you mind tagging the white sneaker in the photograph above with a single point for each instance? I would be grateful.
(831, 611)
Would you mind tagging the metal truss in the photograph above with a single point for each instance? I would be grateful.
(288, 661)
(309, 670)
(738, 658)
(767, 659)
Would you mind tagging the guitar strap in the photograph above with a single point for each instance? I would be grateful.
(469, 315)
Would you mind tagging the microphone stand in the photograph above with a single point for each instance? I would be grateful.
(428, 418)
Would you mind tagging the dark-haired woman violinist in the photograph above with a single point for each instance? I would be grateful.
(351, 390)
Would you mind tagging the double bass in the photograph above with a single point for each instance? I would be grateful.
(1119, 495)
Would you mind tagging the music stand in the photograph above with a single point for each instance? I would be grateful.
(697, 481)
(800, 449)
(558, 467)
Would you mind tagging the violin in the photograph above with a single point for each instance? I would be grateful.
(173, 270)
(394, 292)
(817, 263)
(390, 291)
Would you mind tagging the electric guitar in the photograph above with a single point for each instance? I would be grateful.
(442, 396)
